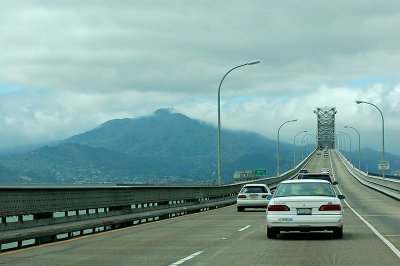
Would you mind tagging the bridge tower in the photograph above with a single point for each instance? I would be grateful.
(326, 126)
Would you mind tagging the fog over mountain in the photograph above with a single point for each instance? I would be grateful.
(165, 147)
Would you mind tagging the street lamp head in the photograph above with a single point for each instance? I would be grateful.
(253, 62)
(358, 102)
(294, 120)
(346, 126)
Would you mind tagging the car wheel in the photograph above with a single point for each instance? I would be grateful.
(272, 233)
(240, 209)
(338, 232)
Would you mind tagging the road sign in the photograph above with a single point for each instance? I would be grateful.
(383, 165)
(260, 172)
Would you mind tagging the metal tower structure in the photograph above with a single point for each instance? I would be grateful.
(326, 126)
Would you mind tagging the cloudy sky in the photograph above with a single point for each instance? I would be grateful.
(68, 66)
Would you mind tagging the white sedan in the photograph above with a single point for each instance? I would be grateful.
(325, 170)
(305, 205)
(253, 196)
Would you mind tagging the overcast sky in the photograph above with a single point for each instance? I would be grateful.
(68, 66)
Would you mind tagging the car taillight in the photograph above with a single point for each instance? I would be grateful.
(264, 196)
(241, 196)
(278, 208)
(331, 207)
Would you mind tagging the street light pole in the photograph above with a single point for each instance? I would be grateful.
(302, 145)
(343, 140)
(294, 147)
(383, 132)
(277, 151)
(219, 119)
(349, 139)
(308, 143)
(359, 146)
(349, 144)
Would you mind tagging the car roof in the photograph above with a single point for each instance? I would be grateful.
(316, 174)
(304, 181)
(254, 185)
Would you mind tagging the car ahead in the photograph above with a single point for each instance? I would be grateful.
(320, 176)
(326, 153)
(253, 196)
(301, 172)
(325, 170)
(305, 205)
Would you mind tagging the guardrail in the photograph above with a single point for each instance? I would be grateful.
(390, 187)
(36, 215)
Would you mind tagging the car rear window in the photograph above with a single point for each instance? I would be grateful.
(321, 177)
(305, 189)
(254, 190)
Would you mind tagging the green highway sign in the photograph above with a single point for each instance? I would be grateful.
(260, 172)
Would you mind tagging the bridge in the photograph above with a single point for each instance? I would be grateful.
(197, 225)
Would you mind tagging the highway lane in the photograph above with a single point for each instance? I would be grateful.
(226, 237)
(381, 211)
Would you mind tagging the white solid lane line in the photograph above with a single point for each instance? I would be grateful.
(390, 245)
(387, 242)
(244, 228)
(187, 258)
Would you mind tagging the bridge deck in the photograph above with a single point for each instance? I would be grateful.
(226, 237)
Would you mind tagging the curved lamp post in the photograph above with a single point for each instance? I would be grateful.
(347, 135)
(294, 147)
(383, 132)
(219, 119)
(302, 145)
(359, 146)
(349, 139)
(343, 140)
(277, 151)
(309, 141)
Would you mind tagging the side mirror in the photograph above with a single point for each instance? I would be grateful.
(341, 197)
(335, 183)
(269, 197)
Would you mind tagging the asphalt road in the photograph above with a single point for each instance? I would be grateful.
(226, 237)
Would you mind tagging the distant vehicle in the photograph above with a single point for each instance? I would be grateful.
(325, 170)
(305, 205)
(319, 176)
(302, 171)
(253, 196)
(326, 153)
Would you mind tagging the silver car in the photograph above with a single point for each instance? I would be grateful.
(253, 196)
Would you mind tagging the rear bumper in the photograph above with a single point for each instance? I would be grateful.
(304, 222)
(252, 203)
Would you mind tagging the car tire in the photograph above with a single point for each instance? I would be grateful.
(338, 232)
(272, 233)
(240, 209)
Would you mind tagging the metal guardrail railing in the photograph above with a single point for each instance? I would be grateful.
(30, 212)
(390, 187)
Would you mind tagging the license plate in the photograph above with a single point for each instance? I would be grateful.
(304, 211)
(253, 196)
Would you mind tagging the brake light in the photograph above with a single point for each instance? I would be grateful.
(278, 208)
(264, 196)
(331, 207)
(241, 196)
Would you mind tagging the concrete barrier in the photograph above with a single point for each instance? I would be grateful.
(390, 187)
(28, 212)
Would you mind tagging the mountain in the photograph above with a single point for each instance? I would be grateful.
(164, 147)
